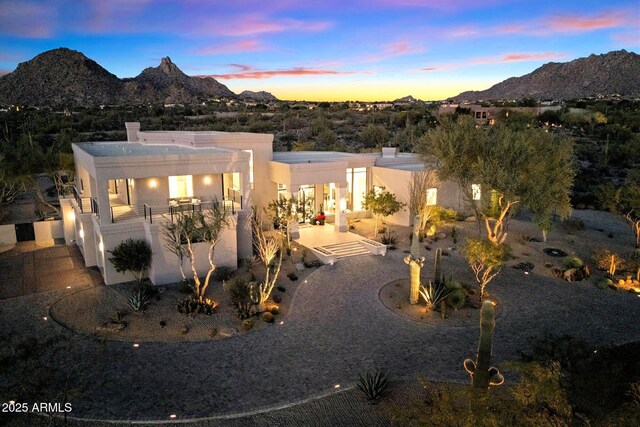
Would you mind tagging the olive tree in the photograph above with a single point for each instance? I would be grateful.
(382, 204)
(133, 256)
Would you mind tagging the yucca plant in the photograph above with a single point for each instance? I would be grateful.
(433, 295)
(375, 385)
(139, 298)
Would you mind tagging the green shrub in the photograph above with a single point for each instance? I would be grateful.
(603, 283)
(185, 287)
(223, 273)
(573, 225)
(292, 276)
(572, 261)
(133, 256)
(238, 289)
(457, 298)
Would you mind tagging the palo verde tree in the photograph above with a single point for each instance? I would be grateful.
(382, 204)
(268, 248)
(454, 147)
(485, 259)
(628, 206)
(283, 212)
(133, 256)
(199, 226)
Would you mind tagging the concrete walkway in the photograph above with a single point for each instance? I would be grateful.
(337, 328)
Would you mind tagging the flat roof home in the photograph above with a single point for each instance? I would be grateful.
(128, 189)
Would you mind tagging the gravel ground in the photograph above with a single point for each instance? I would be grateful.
(336, 328)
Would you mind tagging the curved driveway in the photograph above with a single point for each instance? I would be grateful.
(336, 328)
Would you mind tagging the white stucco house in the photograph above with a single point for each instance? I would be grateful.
(127, 189)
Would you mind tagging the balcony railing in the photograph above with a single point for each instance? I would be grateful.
(84, 203)
(169, 212)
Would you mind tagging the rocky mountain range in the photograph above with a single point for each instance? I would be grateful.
(615, 72)
(65, 76)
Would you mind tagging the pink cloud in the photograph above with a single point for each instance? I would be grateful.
(391, 50)
(247, 72)
(113, 15)
(580, 24)
(250, 45)
(258, 24)
(26, 19)
(627, 38)
(505, 58)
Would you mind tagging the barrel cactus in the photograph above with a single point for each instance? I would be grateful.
(481, 373)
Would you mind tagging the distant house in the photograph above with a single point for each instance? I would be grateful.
(130, 188)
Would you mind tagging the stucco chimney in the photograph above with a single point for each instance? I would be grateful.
(132, 131)
(388, 152)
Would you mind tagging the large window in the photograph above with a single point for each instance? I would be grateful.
(357, 188)
(432, 196)
(476, 191)
(180, 186)
(329, 198)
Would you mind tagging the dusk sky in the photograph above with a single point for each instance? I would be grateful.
(326, 49)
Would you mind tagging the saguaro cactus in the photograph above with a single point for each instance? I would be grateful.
(437, 269)
(482, 375)
(415, 262)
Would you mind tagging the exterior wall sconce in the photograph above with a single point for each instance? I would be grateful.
(153, 183)
(207, 180)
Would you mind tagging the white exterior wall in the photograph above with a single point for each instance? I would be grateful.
(8, 234)
(47, 231)
(395, 181)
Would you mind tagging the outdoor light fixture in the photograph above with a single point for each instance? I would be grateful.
(44, 318)
(136, 345)
(101, 246)
(81, 233)
(72, 216)
(68, 287)
(336, 386)
(305, 280)
(526, 272)
(207, 180)
(282, 322)
(172, 416)
(153, 183)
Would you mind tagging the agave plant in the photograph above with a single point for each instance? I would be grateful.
(433, 294)
(375, 385)
(139, 298)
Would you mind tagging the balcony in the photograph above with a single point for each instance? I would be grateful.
(170, 211)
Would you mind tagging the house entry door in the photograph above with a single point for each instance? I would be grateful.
(306, 203)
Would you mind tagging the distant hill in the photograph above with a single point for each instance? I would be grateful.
(407, 98)
(257, 96)
(65, 76)
(611, 73)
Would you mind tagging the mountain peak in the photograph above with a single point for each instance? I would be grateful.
(603, 74)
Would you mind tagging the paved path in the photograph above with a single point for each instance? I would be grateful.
(336, 329)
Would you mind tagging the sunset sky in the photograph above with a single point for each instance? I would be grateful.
(324, 49)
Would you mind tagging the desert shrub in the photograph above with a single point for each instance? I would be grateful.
(267, 317)
(292, 276)
(238, 289)
(572, 225)
(185, 287)
(389, 239)
(243, 310)
(445, 215)
(192, 306)
(572, 261)
(602, 259)
(184, 330)
(603, 283)
(374, 384)
(433, 295)
(247, 324)
(457, 298)
(451, 283)
(223, 273)
(281, 288)
(213, 332)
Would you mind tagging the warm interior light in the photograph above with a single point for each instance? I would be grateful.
(153, 183)
(207, 180)
(343, 204)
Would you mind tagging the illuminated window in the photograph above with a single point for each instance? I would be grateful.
(329, 198)
(356, 188)
(180, 186)
(250, 166)
(476, 191)
(235, 181)
(432, 196)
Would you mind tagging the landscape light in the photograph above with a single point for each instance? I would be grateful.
(44, 318)
(68, 287)
(136, 345)
(305, 280)
(526, 272)
(172, 416)
(336, 386)
(282, 322)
